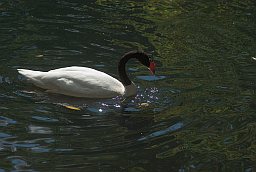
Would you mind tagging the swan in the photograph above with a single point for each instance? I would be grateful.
(87, 82)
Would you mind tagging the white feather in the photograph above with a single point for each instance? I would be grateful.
(78, 82)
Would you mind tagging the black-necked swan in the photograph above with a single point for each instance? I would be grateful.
(87, 82)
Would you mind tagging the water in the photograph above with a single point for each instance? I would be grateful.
(198, 113)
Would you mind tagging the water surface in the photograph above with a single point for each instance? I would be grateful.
(197, 113)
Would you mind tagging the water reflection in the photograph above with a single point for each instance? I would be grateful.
(18, 163)
(165, 131)
(197, 113)
(148, 97)
(152, 78)
(4, 121)
(39, 130)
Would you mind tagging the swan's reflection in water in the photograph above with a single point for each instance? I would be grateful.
(146, 99)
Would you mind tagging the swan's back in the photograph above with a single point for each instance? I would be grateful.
(76, 81)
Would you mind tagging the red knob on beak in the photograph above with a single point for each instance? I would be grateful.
(152, 67)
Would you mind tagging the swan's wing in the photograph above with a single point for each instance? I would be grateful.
(82, 84)
(75, 68)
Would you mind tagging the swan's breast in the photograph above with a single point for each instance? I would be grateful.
(130, 90)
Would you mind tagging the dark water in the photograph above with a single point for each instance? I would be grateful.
(197, 114)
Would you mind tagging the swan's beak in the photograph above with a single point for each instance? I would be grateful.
(152, 67)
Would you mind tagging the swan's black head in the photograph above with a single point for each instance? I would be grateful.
(144, 59)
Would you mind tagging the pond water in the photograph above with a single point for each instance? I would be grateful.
(197, 113)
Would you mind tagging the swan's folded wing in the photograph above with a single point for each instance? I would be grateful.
(75, 68)
(79, 84)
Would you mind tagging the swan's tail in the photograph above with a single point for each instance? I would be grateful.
(29, 74)
(32, 76)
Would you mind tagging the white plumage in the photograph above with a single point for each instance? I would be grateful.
(78, 82)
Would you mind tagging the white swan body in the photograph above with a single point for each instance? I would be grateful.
(79, 82)
(87, 82)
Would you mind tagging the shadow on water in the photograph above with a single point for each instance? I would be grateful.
(197, 113)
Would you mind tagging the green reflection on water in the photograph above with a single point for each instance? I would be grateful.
(207, 47)
(204, 48)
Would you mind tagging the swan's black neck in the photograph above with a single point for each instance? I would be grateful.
(142, 57)
(121, 67)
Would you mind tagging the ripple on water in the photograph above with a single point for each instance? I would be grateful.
(5, 80)
(151, 77)
(165, 131)
(40, 149)
(28, 144)
(45, 119)
(4, 121)
(39, 130)
(4, 135)
(18, 162)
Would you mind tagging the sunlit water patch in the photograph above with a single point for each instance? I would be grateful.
(146, 98)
